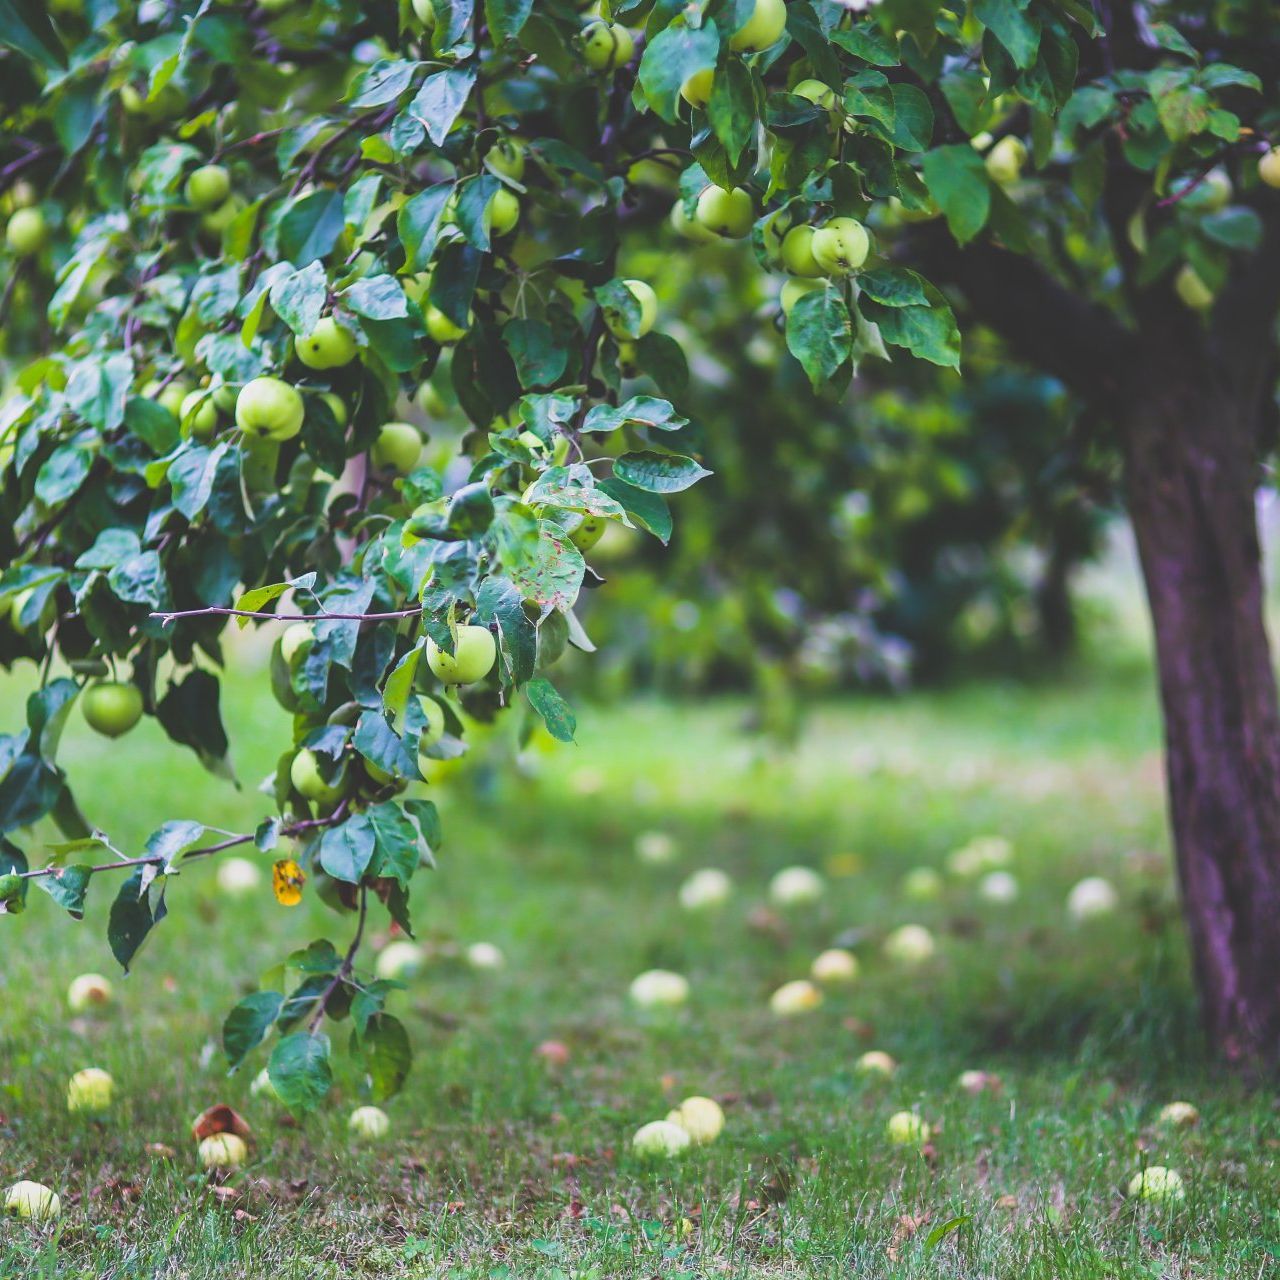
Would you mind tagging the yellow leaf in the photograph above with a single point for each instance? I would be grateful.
(287, 881)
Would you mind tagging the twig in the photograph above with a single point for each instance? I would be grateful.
(223, 612)
(348, 962)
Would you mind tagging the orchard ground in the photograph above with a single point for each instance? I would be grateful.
(499, 1165)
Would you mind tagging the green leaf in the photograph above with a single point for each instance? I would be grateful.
(868, 43)
(893, 287)
(311, 227)
(1170, 38)
(639, 411)
(247, 1025)
(944, 1229)
(256, 600)
(1236, 227)
(539, 358)
(377, 298)
(379, 743)
(498, 600)
(556, 713)
(387, 1055)
(25, 26)
(132, 917)
(670, 59)
(62, 473)
(506, 18)
(397, 842)
(1013, 25)
(927, 332)
(733, 109)
(299, 298)
(648, 510)
(820, 334)
(658, 472)
(958, 182)
(539, 559)
(384, 82)
(347, 850)
(440, 101)
(300, 1071)
(67, 886)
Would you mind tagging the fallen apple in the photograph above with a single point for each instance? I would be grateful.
(368, 1124)
(660, 1140)
(906, 1129)
(705, 890)
(659, 989)
(834, 967)
(794, 998)
(32, 1200)
(88, 991)
(90, 1091)
(796, 887)
(701, 1118)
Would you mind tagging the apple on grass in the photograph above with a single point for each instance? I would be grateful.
(472, 659)
(32, 1200)
(796, 887)
(906, 1129)
(705, 890)
(875, 1062)
(1092, 897)
(912, 944)
(659, 989)
(90, 1091)
(398, 447)
(238, 877)
(270, 409)
(794, 998)
(112, 707)
(88, 991)
(1158, 1185)
(660, 1140)
(657, 848)
(922, 884)
(1178, 1115)
(485, 957)
(701, 1118)
(222, 1152)
(998, 887)
(835, 967)
(399, 960)
(327, 346)
(369, 1124)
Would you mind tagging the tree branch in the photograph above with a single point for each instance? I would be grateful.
(348, 963)
(220, 611)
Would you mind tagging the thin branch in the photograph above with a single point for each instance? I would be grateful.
(348, 964)
(205, 851)
(224, 612)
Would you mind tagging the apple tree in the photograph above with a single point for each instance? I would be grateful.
(243, 239)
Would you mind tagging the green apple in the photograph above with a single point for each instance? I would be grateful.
(1090, 898)
(726, 213)
(1178, 1115)
(472, 659)
(795, 289)
(430, 401)
(208, 186)
(1269, 168)
(308, 781)
(506, 158)
(797, 252)
(296, 637)
(1204, 195)
(433, 730)
(906, 1129)
(337, 407)
(27, 232)
(269, 408)
(922, 884)
(112, 707)
(648, 300)
(705, 890)
(424, 11)
(170, 101)
(485, 957)
(912, 944)
(841, 246)
(198, 415)
(629, 360)
(441, 329)
(172, 395)
(1157, 1185)
(1005, 160)
(90, 1091)
(32, 1200)
(88, 991)
(222, 1151)
(589, 531)
(398, 446)
(690, 228)
(815, 91)
(660, 1140)
(659, 989)
(606, 46)
(794, 998)
(701, 1118)
(217, 221)
(764, 27)
(224, 398)
(368, 1124)
(1192, 289)
(503, 212)
(696, 88)
(327, 346)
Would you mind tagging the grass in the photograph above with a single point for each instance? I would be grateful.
(499, 1166)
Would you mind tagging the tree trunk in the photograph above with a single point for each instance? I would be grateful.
(1191, 472)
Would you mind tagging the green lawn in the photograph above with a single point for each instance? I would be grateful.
(499, 1166)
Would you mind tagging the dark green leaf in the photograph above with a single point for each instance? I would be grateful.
(247, 1025)
(300, 1071)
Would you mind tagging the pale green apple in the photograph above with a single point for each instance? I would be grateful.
(841, 246)
(726, 213)
(398, 446)
(269, 408)
(472, 659)
(208, 186)
(327, 346)
(606, 46)
(27, 232)
(763, 28)
(648, 300)
(112, 707)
